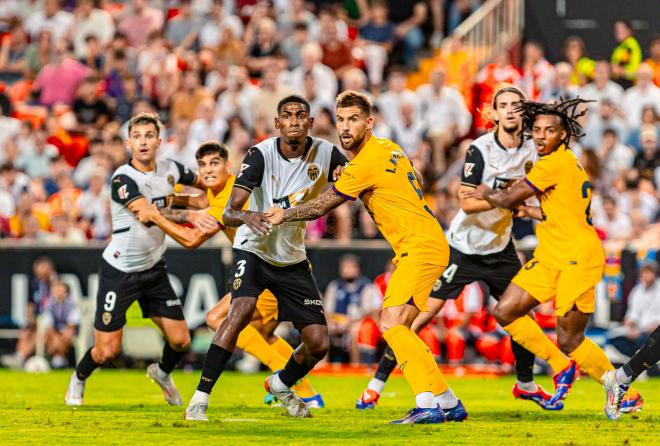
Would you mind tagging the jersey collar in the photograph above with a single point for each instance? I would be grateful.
(130, 164)
(308, 144)
(501, 146)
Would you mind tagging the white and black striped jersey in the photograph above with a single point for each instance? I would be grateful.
(135, 247)
(275, 180)
(487, 161)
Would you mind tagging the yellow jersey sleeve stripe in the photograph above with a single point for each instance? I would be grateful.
(343, 195)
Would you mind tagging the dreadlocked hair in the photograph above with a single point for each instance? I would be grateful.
(566, 110)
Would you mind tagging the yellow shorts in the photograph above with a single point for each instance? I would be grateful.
(570, 287)
(267, 306)
(411, 283)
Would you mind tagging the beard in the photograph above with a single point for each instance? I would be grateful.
(511, 129)
(356, 142)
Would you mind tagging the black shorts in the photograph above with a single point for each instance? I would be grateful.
(298, 297)
(495, 270)
(118, 290)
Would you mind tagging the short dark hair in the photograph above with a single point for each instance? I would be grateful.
(352, 98)
(210, 148)
(144, 119)
(294, 98)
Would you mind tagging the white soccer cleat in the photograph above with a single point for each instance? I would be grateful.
(614, 393)
(74, 393)
(196, 411)
(294, 405)
(169, 389)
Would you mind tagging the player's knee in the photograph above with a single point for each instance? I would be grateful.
(106, 353)
(180, 343)
(502, 315)
(240, 314)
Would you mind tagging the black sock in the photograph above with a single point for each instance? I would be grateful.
(214, 364)
(386, 365)
(646, 357)
(524, 362)
(170, 358)
(86, 366)
(293, 371)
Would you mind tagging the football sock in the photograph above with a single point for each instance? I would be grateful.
(214, 364)
(524, 363)
(86, 366)
(386, 365)
(170, 358)
(527, 333)
(425, 400)
(376, 385)
(304, 388)
(622, 376)
(646, 357)
(592, 359)
(293, 371)
(529, 386)
(251, 341)
(446, 400)
(415, 361)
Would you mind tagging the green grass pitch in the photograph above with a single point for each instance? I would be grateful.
(124, 407)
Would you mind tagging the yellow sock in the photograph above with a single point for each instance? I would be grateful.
(304, 388)
(526, 332)
(592, 359)
(251, 341)
(415, 361)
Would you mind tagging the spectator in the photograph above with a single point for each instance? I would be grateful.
(185, 102)
(270, 93)
(561, 87)
(602, 88)
(97, 159)
(292, 44)
(647, 161)
(13, 181)
(459, 10)
(140, 21)
(9, 129)
(605, 117)
(295, 12)
(61, 319)
(637, 197)
(13, 50)
(318, 100)
(538, 73)
(325, 80)
(65, 200)
(488, 80)
(381, 129)
(408, 17)
(238, 98)
(178, 146)
(615, 224)
(211, 33)
(615, 155)
(649, 117)
(396, 94)
(376, 41)
(64, 232)
(90, 20)
(643, 93)
(91, 110)
(347, 301)
(35, 160)
(50, 17)
(59, 80)
(627, 55)
(205, 128)
(264, 49)
(336, 52)
(182, 29)
(643, 314)
(410, 132)
(654, 59)
(582, 67)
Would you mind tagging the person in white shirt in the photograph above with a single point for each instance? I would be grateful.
(602, 88)
(178, 146)
(206, 127)
(615, 224)
(91, 21)
(604, 118)
(238, 98)
(324, 76)
(643, 93)
(390, 101)
(52, 18)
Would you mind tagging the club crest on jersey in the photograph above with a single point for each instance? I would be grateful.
(467, 169)
(313, 172)
(123, 192)
(236, 284)
(106, 317)
(170, 179)
(528, 166)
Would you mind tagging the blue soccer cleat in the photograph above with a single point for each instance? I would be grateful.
(632, 402)
(420, 415)
(368, 400)
(457, 413)
(563, 382)
(315, 402)
(540, 397)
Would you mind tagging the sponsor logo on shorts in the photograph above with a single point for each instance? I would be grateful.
(316, 302)
(236, 284)
(106, 318)
(173, 302)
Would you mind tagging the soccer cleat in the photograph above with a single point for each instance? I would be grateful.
(293, 404)
(632, 402)
(196, 411)
(456, 413)
(420, 415)
(614, 393)
(315, 402)
(368, 400)
(74, 393)
(563, 382)
(169, 389)
(270, 399)
(540, 397)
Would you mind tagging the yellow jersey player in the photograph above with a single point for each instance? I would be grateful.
(382, 176)
(569, 259)
(258, 338)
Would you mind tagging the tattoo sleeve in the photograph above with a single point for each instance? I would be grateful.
(233, 217)
(174, 215)
(314, 209)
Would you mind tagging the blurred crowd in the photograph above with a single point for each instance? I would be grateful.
(73, 72)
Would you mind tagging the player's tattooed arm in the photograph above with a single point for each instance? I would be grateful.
(234, 215)
(199, 218)
(197, 201)
(503, 198)
(311, 210)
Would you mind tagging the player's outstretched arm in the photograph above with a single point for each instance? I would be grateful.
(196, 201)
(311, 210)
(188, 238)
(469, 204)
(199, 218)
(234, 214)
(503, 198)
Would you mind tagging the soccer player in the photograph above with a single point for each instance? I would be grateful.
(382, 176)
(569, 259)
(617, 382)
(133, 268)
(285, 171)
(257, 338)
(480, 239)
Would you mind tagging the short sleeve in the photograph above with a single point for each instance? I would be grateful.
(356, 179)
(252, 170)
(336, 159)
(186, 176)
(543, 175)
(124, 190)
(216, 212)
(473, 167)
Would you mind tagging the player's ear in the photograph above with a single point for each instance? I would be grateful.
(311, 121)
(277, 123)
(370, 122)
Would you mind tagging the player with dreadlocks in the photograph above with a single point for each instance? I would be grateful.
(568, 261)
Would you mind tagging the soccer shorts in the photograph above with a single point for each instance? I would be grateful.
(294, 287)
(267, 306)
(411, 283)
(118, 290)
(571, 288)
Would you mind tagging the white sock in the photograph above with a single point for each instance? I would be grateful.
(425, 400)
(622, 378)
(75, 377)
(200, 396)
(528, 386)
(446, 400)
(160, 373)
(277, 385)
(376, 385)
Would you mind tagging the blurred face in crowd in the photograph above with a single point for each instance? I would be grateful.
(437, 78)
(43, 271)
(533, 53)
(609, 140)
(51, 7)
(602, 73)
(508, 119)
(294, 123)
(379, 13)
(212, 170)
(644, 75)
(654, 50)
(397, 82)
(96, 182)
(547, 133)
(349, 270)
(649, 115)
(609, 207)
(143, 142)
(205, 109)
(190, 80)
(606, 109)
(139, 6)
(649, 142)
(648, 276)
(352, 126)
(408, 112)
(59, 290)
(621, 31)
(563, 75)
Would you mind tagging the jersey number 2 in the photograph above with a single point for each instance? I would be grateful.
(418, 191)
(586, 187)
